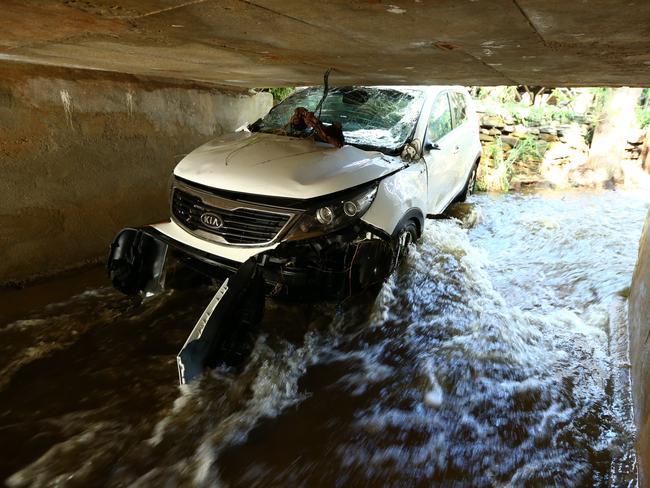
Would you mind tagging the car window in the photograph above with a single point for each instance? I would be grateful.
(458, 108)
(380, 118)
(440, 120)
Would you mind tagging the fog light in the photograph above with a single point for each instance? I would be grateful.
(325, 215)
(350, 209)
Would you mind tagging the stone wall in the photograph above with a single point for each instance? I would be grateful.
(84, 153)
(639, 317)
(562, 150)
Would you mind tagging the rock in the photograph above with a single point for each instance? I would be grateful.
(494, 132)
(533, 131)
(491, 121)
(510, 140)
(548, 137)
(484, 130)
(636, 137)
(521, 181)
(520, 131)
(486, 138)
(508, 129)
(542, 147)
(548, 130)
(506, 147)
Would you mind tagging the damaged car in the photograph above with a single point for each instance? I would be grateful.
(318, 218)
(324, 194)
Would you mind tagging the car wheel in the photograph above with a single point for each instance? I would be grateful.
(405, 237)
(470, 184)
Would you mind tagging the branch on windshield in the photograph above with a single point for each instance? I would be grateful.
(303, 119)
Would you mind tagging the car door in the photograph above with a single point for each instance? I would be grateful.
(440, 155)
(464, 130)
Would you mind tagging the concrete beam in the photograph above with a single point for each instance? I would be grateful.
(291, 42)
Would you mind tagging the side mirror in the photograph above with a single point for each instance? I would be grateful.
(431, 146)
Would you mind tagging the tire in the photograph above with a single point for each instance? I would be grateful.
(469, 187)
(403, 239)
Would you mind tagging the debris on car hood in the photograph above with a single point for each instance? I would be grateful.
(332, 134)
(283, 166)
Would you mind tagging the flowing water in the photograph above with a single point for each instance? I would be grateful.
(495, 356)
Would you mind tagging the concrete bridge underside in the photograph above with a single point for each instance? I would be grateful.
(250, 43)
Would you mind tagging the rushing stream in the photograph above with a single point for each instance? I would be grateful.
(495, 356)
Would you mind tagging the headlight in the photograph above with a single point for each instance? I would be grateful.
(333, 214)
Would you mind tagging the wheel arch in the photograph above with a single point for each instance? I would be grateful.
(413, 214)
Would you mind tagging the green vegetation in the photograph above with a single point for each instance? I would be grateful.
(551, 130)
(643, 117)
(280, 93)
(499, 166)
(525, 150)
(547, 113)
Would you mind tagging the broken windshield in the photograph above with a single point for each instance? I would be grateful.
(379, 118)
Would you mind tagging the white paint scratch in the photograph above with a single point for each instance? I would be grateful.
(394, 9)
(129, 103)
(67, 106)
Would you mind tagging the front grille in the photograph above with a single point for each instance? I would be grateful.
(241, 224)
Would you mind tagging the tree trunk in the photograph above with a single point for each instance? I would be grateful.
(610, 136)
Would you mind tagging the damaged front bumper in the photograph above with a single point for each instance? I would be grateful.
(328, 267)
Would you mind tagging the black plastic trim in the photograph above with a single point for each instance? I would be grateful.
(411, 214)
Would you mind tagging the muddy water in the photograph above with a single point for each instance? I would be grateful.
(494, 357)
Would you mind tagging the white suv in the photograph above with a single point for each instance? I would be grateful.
(319, 220)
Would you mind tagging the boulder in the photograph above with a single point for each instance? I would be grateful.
(510, 140)
(486, 138)
(542, 147)
(520, 131)
(548, 130)
(548, 137)
(490, 121)
(636, 137)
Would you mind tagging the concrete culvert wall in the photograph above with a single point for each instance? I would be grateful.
(84, 153)
(639, 314)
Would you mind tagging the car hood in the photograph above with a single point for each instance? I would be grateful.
(281, 166)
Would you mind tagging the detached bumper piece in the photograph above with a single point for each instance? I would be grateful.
(226, 330)
(328, 267)
(136, 261)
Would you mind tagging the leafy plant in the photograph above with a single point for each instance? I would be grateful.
(545, 114)
(643, 117)
(525, 150)
(280, 93)
(503, 166)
